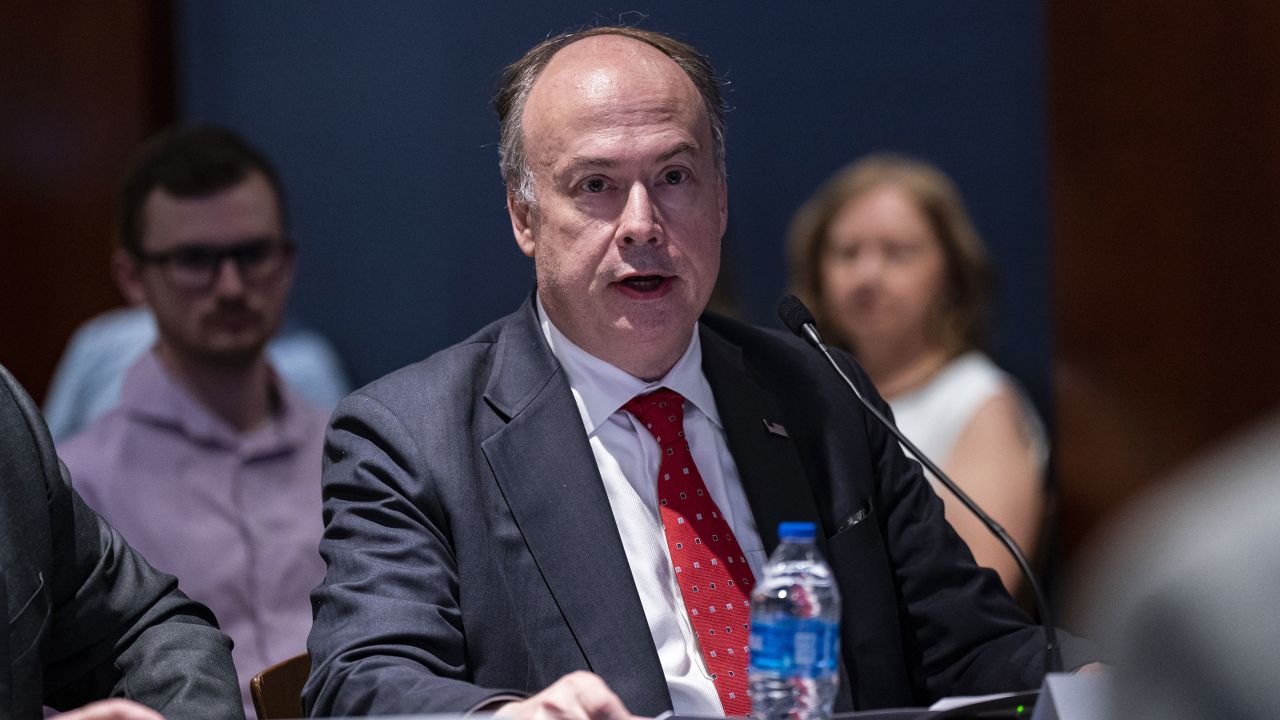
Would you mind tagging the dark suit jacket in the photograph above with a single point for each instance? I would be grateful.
(88, 618)
(471, 549)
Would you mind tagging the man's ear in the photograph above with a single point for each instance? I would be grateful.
(127, 272)
(521, 223)
(724, 205)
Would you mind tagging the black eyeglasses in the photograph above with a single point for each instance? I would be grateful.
(195, 267)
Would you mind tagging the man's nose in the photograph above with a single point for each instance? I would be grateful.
(228, 278)
(639, 223)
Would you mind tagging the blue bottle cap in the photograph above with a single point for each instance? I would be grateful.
(796, 531)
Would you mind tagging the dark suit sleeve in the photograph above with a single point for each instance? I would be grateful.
(388, 635)
(116, 626)
(965, 632)
(122, 628)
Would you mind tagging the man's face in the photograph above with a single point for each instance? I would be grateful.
(629, 203)
(227, 323)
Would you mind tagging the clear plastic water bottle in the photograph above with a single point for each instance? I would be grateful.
(795, 631)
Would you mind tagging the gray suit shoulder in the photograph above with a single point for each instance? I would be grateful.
(781, 360)
(456, 369)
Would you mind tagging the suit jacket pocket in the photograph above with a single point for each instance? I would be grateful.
(28, 617)
(856, 540)
(853, 519)
(870, 629)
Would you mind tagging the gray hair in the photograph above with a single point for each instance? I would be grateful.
(518, 79)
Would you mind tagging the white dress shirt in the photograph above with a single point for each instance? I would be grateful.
(627, 457)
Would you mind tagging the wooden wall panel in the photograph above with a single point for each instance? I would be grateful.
(82, 84)
(1165, 181)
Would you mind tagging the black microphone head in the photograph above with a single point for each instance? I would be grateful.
(794, 314)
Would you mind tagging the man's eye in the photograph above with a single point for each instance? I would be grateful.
(195, 258)
(252, 253)
(593, 185)
(675, 177)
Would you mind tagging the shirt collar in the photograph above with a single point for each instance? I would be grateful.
(150, 391)
(601, 389)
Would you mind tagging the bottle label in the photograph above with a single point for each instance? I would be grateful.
(785, 645)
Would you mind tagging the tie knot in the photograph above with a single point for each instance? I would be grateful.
(661, 411)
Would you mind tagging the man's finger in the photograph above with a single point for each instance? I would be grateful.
(576, 696)
(596, 698)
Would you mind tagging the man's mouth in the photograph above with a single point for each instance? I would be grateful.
(641, 286)
(644, 283)
(233, 319)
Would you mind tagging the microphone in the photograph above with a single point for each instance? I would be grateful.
(800, 321)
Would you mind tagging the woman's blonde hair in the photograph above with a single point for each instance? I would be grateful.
(962, 321)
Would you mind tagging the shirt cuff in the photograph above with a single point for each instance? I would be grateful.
(491, 704)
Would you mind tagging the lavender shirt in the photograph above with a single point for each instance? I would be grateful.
(236, 517)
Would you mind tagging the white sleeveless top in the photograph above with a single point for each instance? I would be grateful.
(934, 415)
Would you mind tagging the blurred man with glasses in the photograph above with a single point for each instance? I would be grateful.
(210, 464)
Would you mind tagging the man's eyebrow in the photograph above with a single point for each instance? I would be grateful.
(684, 147)
(579, 161)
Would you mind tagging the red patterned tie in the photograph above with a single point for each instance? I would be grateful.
(710, 567)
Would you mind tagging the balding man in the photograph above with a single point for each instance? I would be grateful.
(567, 511)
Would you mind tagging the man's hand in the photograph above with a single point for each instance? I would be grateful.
(111, 710)
(576, 696)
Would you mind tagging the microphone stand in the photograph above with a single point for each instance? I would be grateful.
(789, 309)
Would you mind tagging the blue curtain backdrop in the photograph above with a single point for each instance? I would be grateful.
(380, 117)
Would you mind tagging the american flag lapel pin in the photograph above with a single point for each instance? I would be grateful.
(775, 428)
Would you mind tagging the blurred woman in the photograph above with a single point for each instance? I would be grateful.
(888, 259)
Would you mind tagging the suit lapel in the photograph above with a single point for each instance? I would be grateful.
(768, 463)
(772, 476)
(547, 474)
